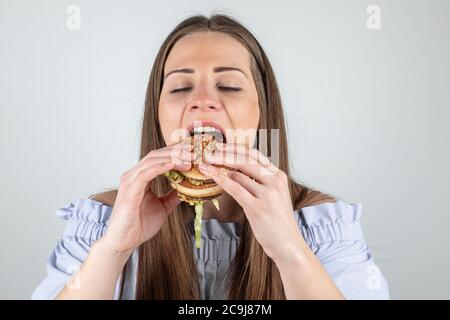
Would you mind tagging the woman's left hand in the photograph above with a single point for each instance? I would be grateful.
(262, 191)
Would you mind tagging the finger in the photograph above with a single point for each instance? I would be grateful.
(137, 183)
(251, 168)
(246, 151)
(187, 157)
(251, 154)
(141, 176)
(180, 165)
(254, 187)
(234, 189)
(176, 149)
(170, 201)
(184, 152)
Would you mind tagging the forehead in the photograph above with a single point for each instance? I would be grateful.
(208, 48)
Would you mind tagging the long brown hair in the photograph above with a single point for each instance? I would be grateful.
(166, 268)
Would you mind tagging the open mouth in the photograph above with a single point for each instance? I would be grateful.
(215, 132)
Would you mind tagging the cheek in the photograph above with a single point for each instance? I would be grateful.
(245, 116)
(169, 121)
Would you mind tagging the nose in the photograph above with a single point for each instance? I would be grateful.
(205, 100)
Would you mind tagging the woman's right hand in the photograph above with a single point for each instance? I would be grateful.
(138, 214)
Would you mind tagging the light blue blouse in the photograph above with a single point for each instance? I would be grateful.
(332, 231)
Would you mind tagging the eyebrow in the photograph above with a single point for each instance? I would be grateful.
(215, 70)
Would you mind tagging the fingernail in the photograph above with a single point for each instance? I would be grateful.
(204, 166)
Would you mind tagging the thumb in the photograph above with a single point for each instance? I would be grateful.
(170, 201)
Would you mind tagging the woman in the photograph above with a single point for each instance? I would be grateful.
(272, 238)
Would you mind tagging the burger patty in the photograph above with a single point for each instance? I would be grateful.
(197, 199)
(204, 184)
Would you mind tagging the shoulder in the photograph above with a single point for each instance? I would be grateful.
(305, 197)
(107, 198)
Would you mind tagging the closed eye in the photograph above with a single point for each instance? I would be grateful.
(179, 90)
(234, 89)
(226, 89)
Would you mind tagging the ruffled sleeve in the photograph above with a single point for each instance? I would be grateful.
(333, 231)
(86, 223)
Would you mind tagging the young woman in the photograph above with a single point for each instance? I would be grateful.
(273, 238)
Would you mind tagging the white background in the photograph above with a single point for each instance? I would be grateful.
(367, 111)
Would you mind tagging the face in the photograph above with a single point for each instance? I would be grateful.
(207, 76)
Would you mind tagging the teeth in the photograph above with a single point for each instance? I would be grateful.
(205, 129)
(219, 136)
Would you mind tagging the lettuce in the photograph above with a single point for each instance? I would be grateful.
(198, 220)
(198, 223)
(174, 175)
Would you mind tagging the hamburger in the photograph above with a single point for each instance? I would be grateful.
(192, 186)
